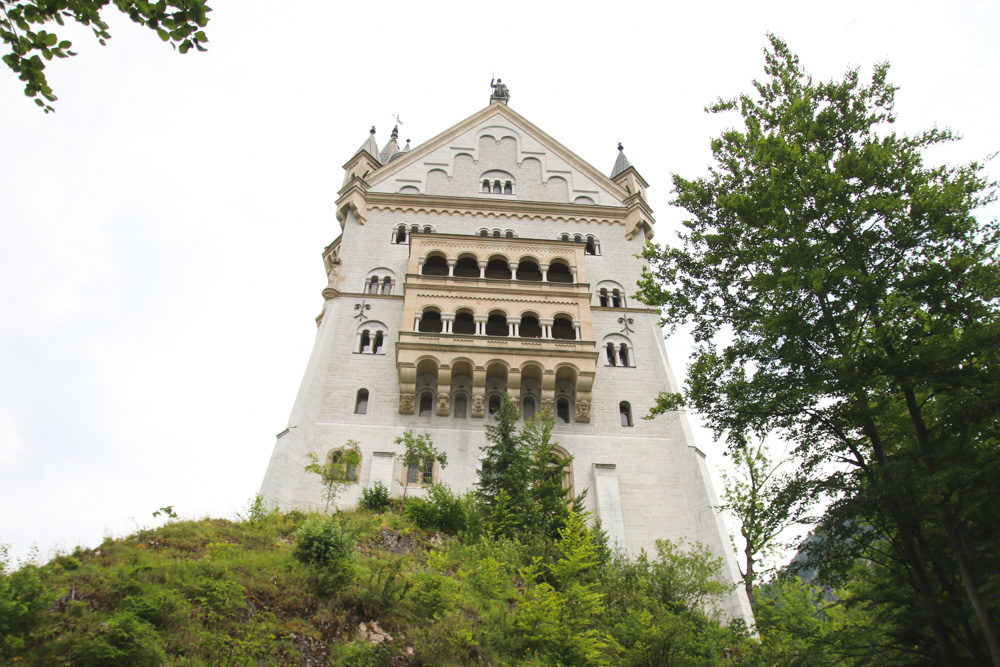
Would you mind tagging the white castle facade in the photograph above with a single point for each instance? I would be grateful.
(492, 260)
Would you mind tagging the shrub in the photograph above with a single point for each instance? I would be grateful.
(124, 640)
(323, 544)
(375, 498)
(443, 510)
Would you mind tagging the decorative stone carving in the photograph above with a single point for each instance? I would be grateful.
(444, 404)
(583, 411)
(406, 404)
(549, 405)
(478, 405)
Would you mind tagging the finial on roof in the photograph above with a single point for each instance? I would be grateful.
(370, 145)
(407, 146)
(500, 91)
(395, 131)
(373, 129)
(622, 163)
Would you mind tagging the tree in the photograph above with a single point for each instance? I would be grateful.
(765, 502)
(340, 469)
(420, 452)
(179, 22)
(844, 295)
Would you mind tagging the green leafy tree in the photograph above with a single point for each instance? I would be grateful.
(844, 295)
(765, 500)
(25, 28)
(419, 453)
(339, 470)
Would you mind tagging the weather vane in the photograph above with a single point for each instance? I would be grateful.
(398, 121)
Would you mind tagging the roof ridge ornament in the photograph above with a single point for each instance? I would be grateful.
(500, 91)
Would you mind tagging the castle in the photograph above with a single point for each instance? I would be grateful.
(492, 260)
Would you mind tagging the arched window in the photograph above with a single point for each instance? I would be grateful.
(611, 354)
(562, 411)
(414, 229)
(625, 410)
(494, 406)
(602, 297)
(527, 269)
(461, 406)
(565, 237)
(361, 402)
(509, 234)
(616, 299)
(366, 342)
(387, 285)
(484, 232)
(496, 233)
(486, 185)
(466, 267)
(427, 229)
(373, 285)
(508, 188)
(562, 328)
(465, 324)
(379, 343)
(559, 273)
(497, 188)
(528, 407)
(426, 404)
(435, 265)
(496, 325)
(591, 248)
(498, 269)
(430, 322)
(529, 327)
(623, 354)
(578, 238)
(401, 234)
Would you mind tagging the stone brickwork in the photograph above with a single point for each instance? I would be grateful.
(646, 480)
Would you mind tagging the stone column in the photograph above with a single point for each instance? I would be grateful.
(480, 321)
(512, 325)
(447, 319)
(451, 266)
(482, 268)
(576, 328)
(420, 264)
(546, 324)
(544, 268)
(416, 321)
(572, 270)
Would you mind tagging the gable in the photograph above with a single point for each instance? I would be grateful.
(511, 155)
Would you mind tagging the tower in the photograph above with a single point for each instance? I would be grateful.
(492, 260)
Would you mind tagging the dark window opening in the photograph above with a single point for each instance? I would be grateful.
(427, 229)
(361, 402)
(623, 354)
(426, 404)
(591, 246)
(460, 408)
(373, 285)
(484, 232)
(435, 265)
(430, 322)
(562, 328)
(496, 233)
(401, 234)
(578, 238)
(494, 406)
(465, 323)
(529, 327)
(611, 353)
(350, 470)
(602, 297)
(562, 410)
(387, 285)
(625, 410)
(379, 342)
(528, 270)
(529, 407)
(616, 299)
(496, 187)
(498, 269)
(486, 186)
(508, 188)
(559, 273)
(366, 342)
(467, 267)
(496, 325)
(509, 234)
(565, 237)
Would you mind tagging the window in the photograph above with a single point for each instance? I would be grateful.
(484, 232)
(611, 354)
(591, 248)
(565, 237)
(350, 463)
(464, 324)
(496, 325)
(509, 234)
(562, 411)
(602, 297)
(528, 270)
(401, 234)
(616, 299)
(562, 328)
(379, 342)
(435, 265)
(426, 404)
(508, 188)
(461, 406)
(366, 342)
(623, 354)
(486, 186)
(427, 229)
(559, 273)
(529, 327)
(494, 406)
(528, 409)
(423, 473)
(430, 322)
(361, 401)
(496, 233)
(387, 285)
(625, 410)
(497, 268)
(373, 285)
(466, 267)
(497, 188)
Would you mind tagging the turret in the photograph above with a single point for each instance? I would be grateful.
(365, 161)
(640, 216)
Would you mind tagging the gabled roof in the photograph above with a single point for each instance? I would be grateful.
(516, 119)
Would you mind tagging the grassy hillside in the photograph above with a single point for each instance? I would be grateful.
(242, 592)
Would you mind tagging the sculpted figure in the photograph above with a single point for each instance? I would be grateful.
(444, 403)
(583, 411)
(406, 404)
(478, 405)
(499, 89)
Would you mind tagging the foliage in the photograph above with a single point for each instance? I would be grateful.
(323, 544)
(25, 29)
(419, 450)
(339, 470)
(23, 598)
(167, 511)
(442, 510)
(375, 498)
(844, 296)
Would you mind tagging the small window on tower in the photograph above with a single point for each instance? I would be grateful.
(361, 401)
(616, 299)
(373, 285)
(591, 246)
(426, 403)
(387, 285)
(623, 354)
(401, 234)
(508, 188)
(486, 186)
(562, 411)
(603, 297)
(611, 354)
(625, 410)
(496, 187)
(379, 343)
(494, 406)
(366, 342)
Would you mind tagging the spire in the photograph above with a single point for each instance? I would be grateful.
(622, 163)
(406, 149)
(370, 146)
(391, 148)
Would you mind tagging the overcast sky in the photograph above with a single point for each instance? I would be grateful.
(160, 234)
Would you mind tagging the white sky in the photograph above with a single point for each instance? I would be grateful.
(160, 234)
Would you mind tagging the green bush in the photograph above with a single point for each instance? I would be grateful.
(323, 544)
(124, 640)
(442, 510)
(375, 498)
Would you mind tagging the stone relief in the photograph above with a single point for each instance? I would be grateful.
(549, 405)
(406, 404)
(583, 411)
(444, 404)
(478, 405)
